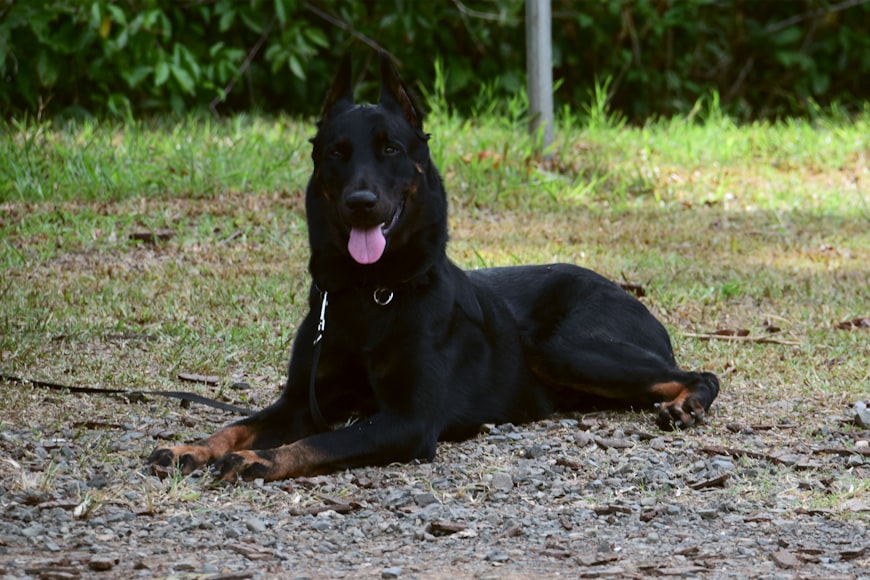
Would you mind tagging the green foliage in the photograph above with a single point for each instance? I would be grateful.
(765, 59)
(143, 56)
(659, 57)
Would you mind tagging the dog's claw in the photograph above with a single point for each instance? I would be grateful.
(187, 464)
(183, 459)
(162, 463)
(227, 467)
(161, 471)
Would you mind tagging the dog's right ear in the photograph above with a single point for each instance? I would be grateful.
(394, 93)
(340, 96)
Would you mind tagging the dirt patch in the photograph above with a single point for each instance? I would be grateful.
(584, 495)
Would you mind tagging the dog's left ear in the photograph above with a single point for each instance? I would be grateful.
(395, 95)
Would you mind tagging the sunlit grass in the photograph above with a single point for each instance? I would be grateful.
(108, 161)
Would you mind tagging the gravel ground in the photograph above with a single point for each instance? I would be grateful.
(585, 495)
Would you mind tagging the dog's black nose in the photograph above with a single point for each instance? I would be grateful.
(361, 201)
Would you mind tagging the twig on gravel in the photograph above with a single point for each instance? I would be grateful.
(683, 571)
(865, 451)
(652, 513)
(556, 553)
(445, 528)
(604, 510)
(731, 338)
(737, 427)
(197, 378)
(252, 551)
(598, 560)
(612, 442)
(856, 553)
(569, 463)
(338, 505)
(54, 572)
(642, 435)
(757, 518)
(51, 504)
(718, 481)
(510, 532)
(731, 452)
(811, 512)
(316, 509)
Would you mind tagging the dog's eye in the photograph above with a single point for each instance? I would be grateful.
(390, 149)
(339, 150)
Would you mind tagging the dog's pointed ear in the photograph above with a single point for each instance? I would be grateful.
(340, 95)
(394, 94)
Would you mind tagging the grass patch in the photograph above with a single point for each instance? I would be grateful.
(726, 227)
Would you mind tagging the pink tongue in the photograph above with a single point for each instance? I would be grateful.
(366, 246)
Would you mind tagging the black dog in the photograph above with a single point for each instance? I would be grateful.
(420, 349)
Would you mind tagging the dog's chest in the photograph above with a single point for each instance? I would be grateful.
(357, 322)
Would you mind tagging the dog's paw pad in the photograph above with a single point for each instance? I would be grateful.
(680, 414)
(186, 459)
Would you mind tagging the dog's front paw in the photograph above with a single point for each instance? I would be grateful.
(245, 465)
(680, 413)
(184, 458)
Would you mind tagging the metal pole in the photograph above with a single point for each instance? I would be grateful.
(539, 69)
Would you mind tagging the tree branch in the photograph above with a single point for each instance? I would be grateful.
(776, 27)
(345, 26)
(242, 69)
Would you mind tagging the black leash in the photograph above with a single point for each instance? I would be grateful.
(381, 297)
(313, 407)
(181, 395)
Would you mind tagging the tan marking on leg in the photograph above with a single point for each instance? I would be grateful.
(196, 455)
(301, 459)
(230, 438)
(679, 406)
(296, 459)
(672, 392)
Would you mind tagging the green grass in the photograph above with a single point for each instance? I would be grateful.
(108, 162)
(726, 227)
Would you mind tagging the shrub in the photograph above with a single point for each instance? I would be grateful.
(658, 57)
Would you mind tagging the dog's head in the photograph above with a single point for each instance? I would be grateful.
(374, 191)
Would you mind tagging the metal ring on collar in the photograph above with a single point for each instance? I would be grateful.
(382, 296)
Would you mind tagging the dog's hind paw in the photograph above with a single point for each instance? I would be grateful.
(685, 402)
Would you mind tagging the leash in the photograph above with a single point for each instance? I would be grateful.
(381, 297)
(131, 394)
(313, 407)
